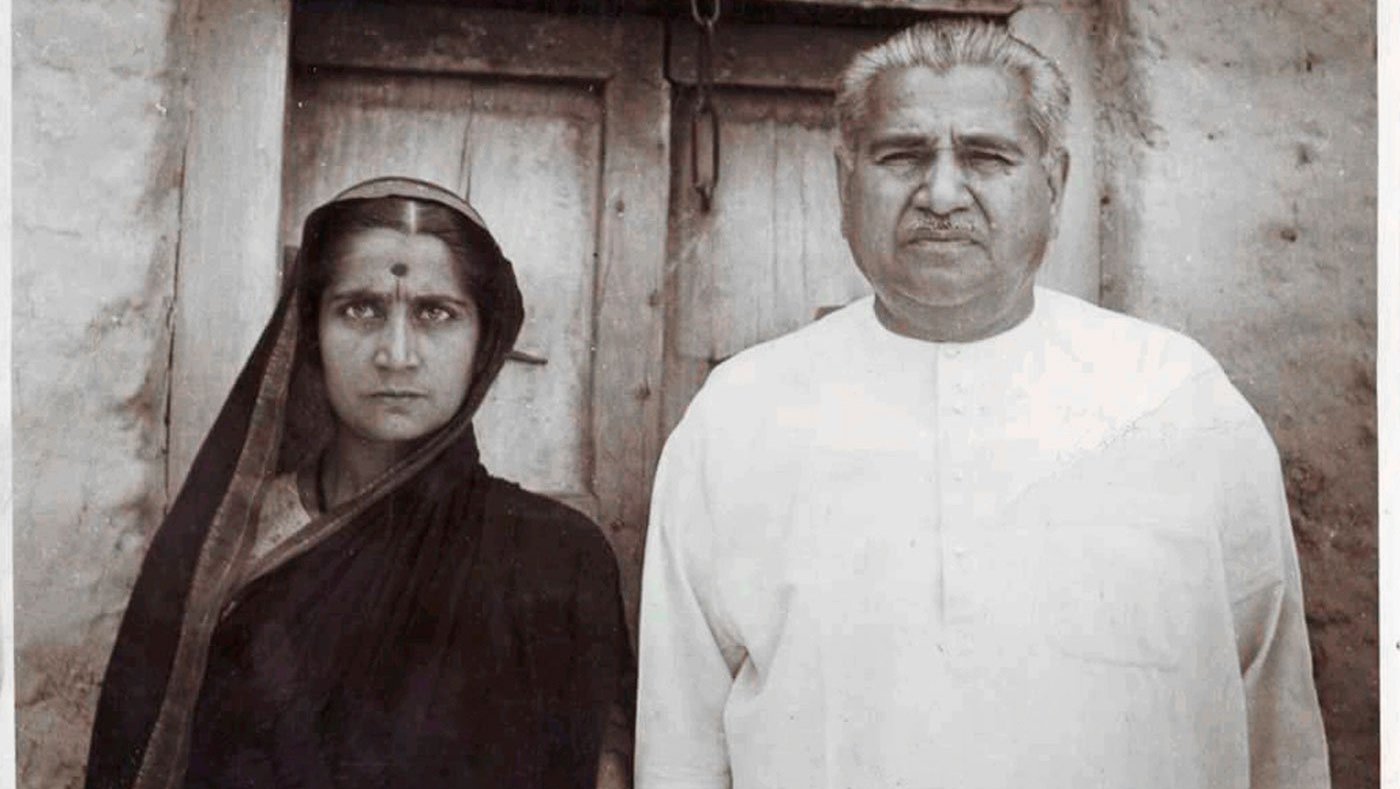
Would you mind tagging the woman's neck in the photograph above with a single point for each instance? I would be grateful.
(351, 463)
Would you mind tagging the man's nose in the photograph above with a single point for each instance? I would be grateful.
(944, 187)
(398, 343)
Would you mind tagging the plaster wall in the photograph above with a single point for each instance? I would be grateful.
(1238, 144)
(98, 141)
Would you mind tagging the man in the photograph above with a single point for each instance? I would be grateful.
(969, 533)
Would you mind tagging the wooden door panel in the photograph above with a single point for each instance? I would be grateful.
(769, 254)
(534, 156)
(346, 126)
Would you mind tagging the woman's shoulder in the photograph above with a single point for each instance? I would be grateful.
(546, 528)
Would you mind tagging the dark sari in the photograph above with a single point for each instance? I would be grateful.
(442, 628)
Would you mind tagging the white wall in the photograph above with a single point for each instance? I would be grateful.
(97, 165)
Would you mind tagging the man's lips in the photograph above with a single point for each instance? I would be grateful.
(939, 237)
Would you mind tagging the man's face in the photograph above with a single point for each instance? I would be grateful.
(945, 200)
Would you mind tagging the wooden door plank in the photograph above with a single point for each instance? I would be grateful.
(807, 186)
(227, 264)
(722, 276)
(787, 281)
(628, 291)
(770, 253)
(446, 40)
(741, 228)
(688, 277)
(349, 126)
(535, 155)
(771, 56)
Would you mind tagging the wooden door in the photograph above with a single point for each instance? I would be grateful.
(555, 129)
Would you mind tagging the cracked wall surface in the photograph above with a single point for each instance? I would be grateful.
(1239, 206)
(98, 135)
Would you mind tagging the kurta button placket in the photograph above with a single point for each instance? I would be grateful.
(955, 498)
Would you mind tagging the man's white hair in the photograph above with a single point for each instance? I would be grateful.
(943, 45)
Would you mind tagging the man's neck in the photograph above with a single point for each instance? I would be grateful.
(960, 323)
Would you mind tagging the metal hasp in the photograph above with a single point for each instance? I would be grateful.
(704, 120)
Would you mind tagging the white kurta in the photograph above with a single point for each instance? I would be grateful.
(1057, 557)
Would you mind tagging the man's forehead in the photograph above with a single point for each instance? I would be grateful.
(963, 98)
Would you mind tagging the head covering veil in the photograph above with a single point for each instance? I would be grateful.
(197, 574)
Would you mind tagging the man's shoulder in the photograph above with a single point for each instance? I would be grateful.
(1123, 346)
(1128, 365)
(793, 361)
(785, 375)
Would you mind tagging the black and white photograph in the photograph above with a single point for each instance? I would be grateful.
(698, 394)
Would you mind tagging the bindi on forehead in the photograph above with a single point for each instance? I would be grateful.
(389, 261)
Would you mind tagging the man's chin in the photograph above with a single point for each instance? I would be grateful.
(944, 287)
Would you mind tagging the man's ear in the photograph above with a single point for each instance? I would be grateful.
(1057, 172)
(842, 159)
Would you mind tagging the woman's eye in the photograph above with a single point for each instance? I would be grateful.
(435, 314)
(360, 311)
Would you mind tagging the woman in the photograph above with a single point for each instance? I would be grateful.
(341, 595)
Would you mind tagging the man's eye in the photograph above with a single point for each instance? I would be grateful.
(986, 160)
(898, 158)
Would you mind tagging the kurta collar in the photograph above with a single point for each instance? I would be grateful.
(1013, 341)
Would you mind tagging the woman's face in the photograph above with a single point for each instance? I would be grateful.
(398, 335)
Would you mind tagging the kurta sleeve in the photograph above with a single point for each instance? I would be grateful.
(686, 667)
(1287, 747)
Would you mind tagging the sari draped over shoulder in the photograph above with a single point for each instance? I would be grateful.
(442, 628)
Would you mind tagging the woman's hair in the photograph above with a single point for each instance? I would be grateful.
(473, 251)
(941, 46)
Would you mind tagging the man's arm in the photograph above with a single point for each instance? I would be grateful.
(1287, 747)
(683, 674)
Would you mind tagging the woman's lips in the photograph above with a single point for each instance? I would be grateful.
(397, 394)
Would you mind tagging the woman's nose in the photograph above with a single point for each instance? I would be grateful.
(397, 343)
